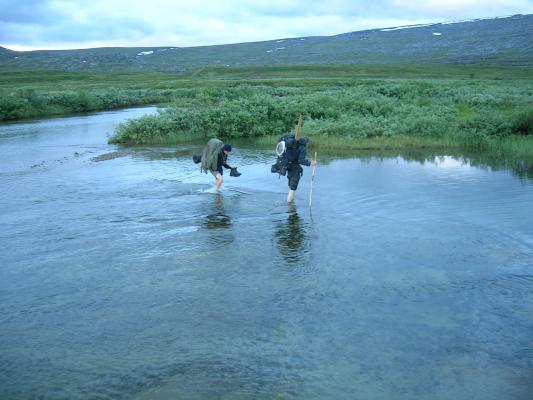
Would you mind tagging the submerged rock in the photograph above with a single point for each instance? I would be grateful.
(109, 156)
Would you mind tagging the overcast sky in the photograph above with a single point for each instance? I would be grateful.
(68, 24)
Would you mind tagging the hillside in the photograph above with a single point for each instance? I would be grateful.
(500, 41)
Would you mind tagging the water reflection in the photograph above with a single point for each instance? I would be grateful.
(219, 222)
(482, 159)
(292, 236)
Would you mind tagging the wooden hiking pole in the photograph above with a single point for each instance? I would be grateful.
(298, 127)
(312, 181)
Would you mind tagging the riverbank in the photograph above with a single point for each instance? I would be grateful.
(355, 114)
(36, 94)
(511, 146)
(344, 107)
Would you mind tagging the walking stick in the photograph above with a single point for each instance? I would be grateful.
(298, 127)
(312, 181)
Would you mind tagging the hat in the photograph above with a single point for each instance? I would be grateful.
(227, 147)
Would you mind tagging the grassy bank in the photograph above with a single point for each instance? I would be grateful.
(517, 147)
(32, 94)
(340, 143)
(344, 106)
(350, 112)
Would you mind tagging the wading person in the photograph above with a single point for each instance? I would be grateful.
(292, 155)
(213, 158)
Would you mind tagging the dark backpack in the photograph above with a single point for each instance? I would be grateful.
(287, 152)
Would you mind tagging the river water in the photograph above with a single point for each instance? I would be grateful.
(411, 277)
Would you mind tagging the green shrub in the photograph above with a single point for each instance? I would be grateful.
(12, 108)
(472, 113)
(522, 122)
(28, 102)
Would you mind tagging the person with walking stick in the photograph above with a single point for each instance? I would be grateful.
(292, 153)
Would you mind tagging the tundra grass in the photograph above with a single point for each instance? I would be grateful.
(344, 106)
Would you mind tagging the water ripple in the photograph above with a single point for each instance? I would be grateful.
(132, 278)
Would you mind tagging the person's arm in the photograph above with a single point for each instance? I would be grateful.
(301, 157)
(224, 161)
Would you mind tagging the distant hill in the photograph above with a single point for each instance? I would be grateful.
(506, 41)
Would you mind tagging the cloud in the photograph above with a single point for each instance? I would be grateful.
(463, 9)
(24, 12)
(84, 23)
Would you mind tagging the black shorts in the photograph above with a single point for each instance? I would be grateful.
(293, 176)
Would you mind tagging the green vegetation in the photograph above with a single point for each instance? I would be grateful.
(306, 73)
(43, 93)
(351, 111)
(352, 107)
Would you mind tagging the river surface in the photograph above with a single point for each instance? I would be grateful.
(128, 278)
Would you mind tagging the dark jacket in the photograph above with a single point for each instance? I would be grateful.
(222, 161)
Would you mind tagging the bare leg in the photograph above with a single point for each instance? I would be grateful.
(290, 196)
(218, 180)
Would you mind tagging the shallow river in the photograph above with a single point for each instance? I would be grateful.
(409, 278)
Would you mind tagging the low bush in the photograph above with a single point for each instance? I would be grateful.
(522, 122)
(471, 113)
(29, 103)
